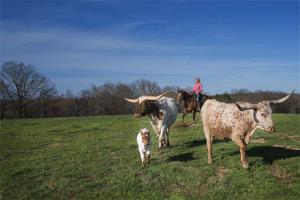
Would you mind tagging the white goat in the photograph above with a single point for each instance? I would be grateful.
(144, 145)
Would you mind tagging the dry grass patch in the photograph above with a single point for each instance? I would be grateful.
(258, 141)
(56, 145)
(294, 138)
(220, 173)
(280, 173)
(286, 147)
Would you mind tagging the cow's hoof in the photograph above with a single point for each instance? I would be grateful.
(210, 162)
(247, 140)
(245, 165)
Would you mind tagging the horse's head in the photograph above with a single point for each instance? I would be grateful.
(180, 96)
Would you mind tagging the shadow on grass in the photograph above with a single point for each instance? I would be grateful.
(270, 153)
(195, 143)
(185, 157)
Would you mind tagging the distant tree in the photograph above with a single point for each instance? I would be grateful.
(225, 97)
(145, 87)
(22, 84)
(3, 98)
(170, 88)
(84, 102)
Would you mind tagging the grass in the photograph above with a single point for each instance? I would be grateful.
(97, 158)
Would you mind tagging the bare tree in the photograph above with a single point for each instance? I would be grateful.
(145, 87)
(23, 83)
(3, 99)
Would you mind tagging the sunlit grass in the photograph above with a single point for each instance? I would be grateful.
(97, 158)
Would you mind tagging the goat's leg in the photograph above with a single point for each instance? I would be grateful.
(242, 145)
(142, 156)
(145, 160)
(147, 154)
(148, 158)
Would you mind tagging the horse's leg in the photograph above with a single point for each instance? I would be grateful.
(183, 115)
(194, 116)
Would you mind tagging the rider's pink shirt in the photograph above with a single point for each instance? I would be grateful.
(197, 88)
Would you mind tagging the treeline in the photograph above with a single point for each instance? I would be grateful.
(26, 93)
(107, 99)
(290, 106)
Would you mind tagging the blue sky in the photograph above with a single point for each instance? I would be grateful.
(228, 44)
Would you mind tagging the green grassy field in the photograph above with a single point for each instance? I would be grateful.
(97, 158)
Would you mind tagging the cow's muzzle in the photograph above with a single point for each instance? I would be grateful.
(271, 129)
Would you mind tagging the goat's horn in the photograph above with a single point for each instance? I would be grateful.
(282, 99)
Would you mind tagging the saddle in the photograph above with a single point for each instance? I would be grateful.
(198, 98)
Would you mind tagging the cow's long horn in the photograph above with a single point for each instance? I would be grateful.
(132, 100)
(155, 98)
(282, 99)
(246, 106)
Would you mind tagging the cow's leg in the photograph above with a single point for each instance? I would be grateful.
(242, 145)
(167, 134)
(162, 137)
(154, 126)
(209, 140)
(249, 135)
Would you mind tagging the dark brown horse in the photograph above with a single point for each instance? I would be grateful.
(190, 103)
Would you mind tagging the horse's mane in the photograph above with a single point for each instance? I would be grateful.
(184, 92)
(188, 94)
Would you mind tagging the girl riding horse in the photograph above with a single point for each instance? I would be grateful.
(190, 103)
(197, 89)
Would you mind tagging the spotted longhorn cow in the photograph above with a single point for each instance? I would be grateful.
(237, 121)
(162, 112)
